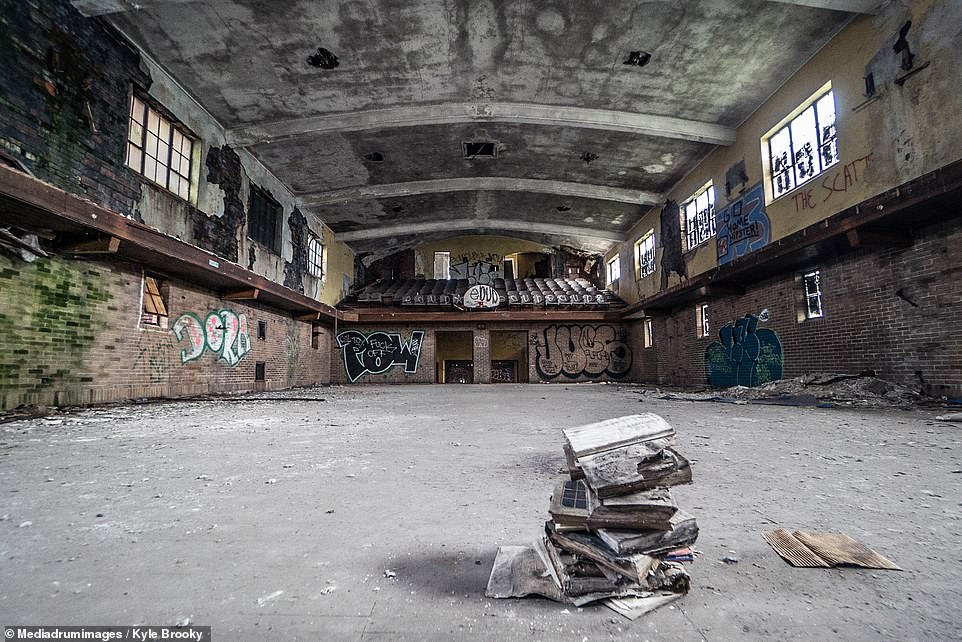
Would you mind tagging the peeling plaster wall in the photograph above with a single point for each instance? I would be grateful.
(64, 115)
(908, 131)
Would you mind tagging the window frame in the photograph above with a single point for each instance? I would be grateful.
(648, 331)
(139, 145)
(271, 207)
(693, 202)
(647, 239)
(316, 255)
(613, 270)
(824, 136)
(150, 298)
(702, 322)
(442, 274)
(807, 296)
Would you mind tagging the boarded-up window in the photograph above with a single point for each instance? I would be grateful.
(155, 305)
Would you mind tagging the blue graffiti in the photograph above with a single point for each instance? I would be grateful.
(744, 355)
(743, 226)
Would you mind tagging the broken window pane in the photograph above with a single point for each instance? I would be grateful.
(645, 255)
(804, 147)
(699, 214)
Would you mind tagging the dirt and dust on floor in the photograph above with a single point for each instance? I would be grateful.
(375, 512)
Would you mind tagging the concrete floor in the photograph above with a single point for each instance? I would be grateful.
(148, 514)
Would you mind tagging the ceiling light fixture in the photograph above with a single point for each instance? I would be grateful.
(637, 58)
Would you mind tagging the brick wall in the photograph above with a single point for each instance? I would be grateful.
(894, 311)
(70, 333)
(594, 352)
(63, 108)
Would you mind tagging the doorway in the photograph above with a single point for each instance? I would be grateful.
(454, 354)
(509, 356)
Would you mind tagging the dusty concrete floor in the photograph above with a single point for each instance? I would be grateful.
(148, 514)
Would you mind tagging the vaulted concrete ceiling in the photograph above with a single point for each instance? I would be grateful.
(584, 142)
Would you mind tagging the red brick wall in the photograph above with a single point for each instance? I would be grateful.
(911, 339)
(70, 333)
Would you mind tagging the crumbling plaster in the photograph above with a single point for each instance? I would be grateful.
(908, 131)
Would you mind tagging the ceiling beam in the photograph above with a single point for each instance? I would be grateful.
(850, 6)
(481, 183)
(459, 113)
(477, 224)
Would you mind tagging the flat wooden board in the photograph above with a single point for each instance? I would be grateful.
(825, 550)
(613, 433)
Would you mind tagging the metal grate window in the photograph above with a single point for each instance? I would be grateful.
(315, 256)
(698, 215)
(813, 295)
(263, 218)
(154, 311)
(805, 147)
(645, 255)
(158, 150)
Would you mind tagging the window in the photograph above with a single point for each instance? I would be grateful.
(614, 269)
(805, 146)
(442, 265)
(645, 255)
(158, 150)
(813, 295)
(316, 256)
(701, 321)
(154, 312)
(698, 215)
(262, 330)
(263, 219)
(260, 371)
(649, 334)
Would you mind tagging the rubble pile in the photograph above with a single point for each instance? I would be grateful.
(615, 533)
(817, 389)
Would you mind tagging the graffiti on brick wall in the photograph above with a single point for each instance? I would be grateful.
(744, 355)
(576, 351)
(743, 226)
(378, 352)
(223, 333)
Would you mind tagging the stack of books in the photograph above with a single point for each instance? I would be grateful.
(615, 532)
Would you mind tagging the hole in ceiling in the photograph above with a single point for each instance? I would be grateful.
(637, 58)
(397, 209)
(374, 157)
(563, 208)
(587, 157)
(323, 59)
(479, 149)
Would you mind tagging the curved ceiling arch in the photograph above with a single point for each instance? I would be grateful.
(483, 183)
(494, 112)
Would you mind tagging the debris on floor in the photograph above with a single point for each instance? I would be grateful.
(825, 550)
(952, 416)
(615, 533)
(822, 390)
